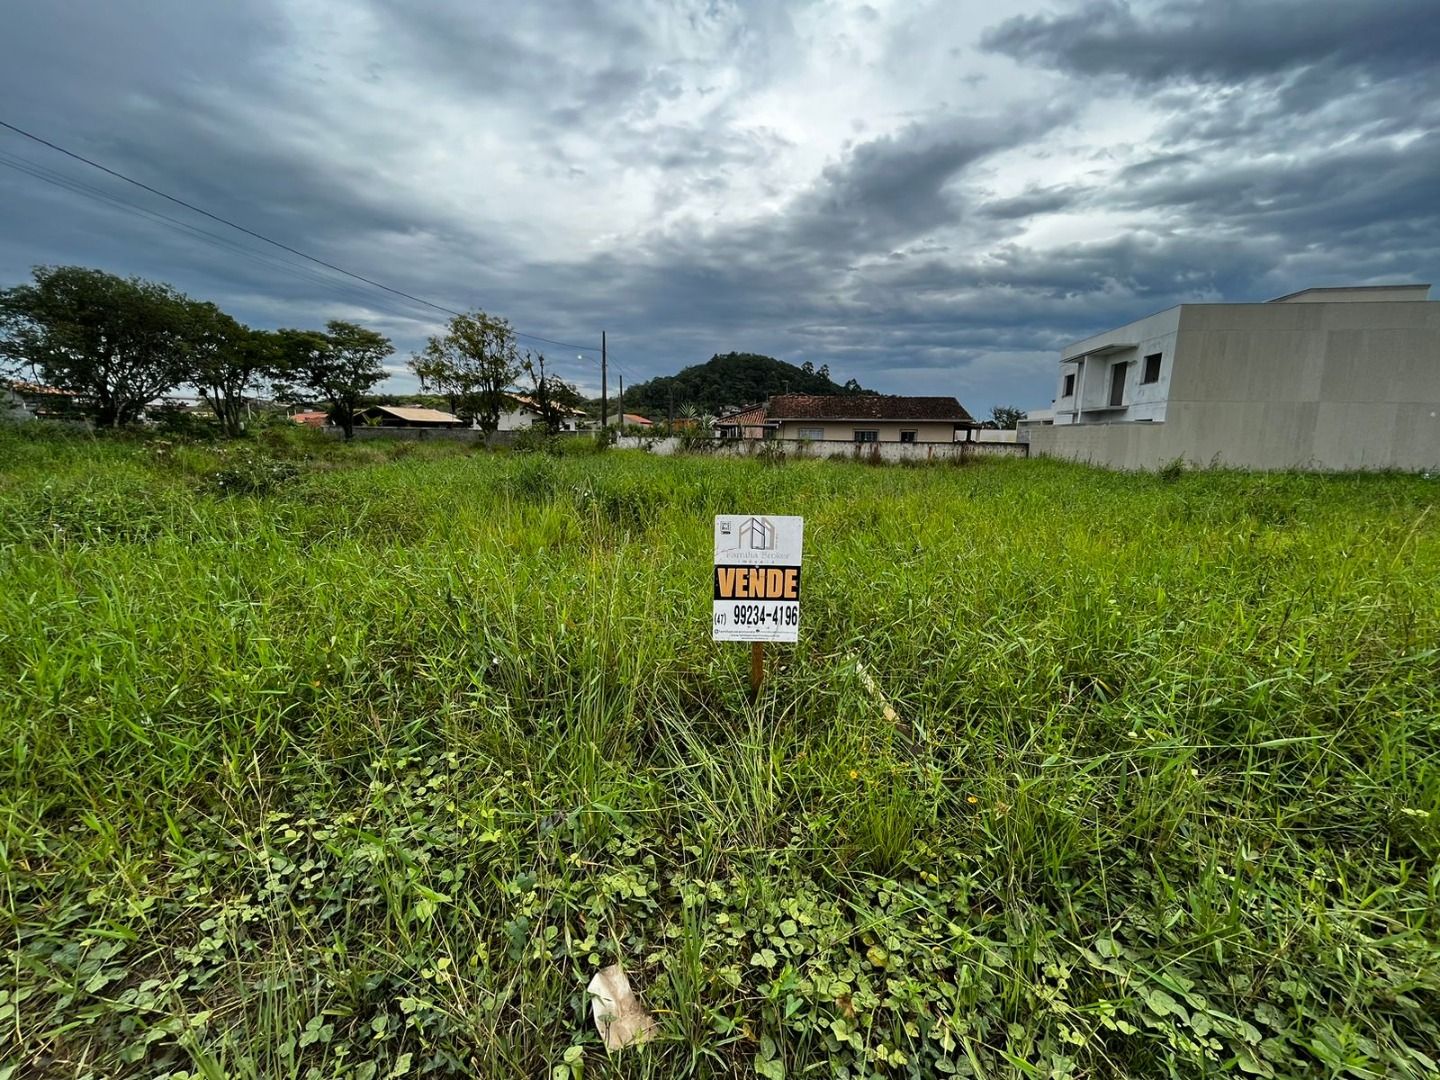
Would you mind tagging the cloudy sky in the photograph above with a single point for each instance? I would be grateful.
(930, 198)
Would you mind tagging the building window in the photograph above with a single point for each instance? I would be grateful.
(1152, 369)
(907, 436)
(866, 436)
(814, 434)
(1069, 385)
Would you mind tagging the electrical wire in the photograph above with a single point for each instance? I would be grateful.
(66, 183)
(266, 239)
(59, 180)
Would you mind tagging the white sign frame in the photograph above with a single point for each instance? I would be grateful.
(744, 545)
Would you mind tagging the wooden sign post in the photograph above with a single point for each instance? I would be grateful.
(757, 584)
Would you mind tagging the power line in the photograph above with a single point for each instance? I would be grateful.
(261, 236)
(49, 176)
(77, 187)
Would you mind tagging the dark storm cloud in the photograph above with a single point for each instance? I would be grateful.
(780, 272)
(897, 187)
(1224, 41)
(582, 164)
(1334, 192)
(1033, 202)
(567, 71)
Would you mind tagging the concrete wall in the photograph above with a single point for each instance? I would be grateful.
(838, 448)
(499, 440)
(889, 430)
(1115, 446)
(1286, 386)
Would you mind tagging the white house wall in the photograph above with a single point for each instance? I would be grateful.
(516, 420)
(926, 431)
(1142, 401)
(522, 419)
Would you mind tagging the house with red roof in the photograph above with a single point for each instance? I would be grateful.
(858, 418)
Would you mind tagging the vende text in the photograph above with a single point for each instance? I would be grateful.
(757, 583)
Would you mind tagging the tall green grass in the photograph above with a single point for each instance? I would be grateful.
(365, 774)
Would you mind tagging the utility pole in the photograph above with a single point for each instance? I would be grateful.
(604, 381)
(672, 410)
(620, 419)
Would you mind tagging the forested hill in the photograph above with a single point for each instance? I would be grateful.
(732, 379)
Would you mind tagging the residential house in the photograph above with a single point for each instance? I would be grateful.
(860, 418)
(406, 416)
(631, 420)
(1328, 378)
(47, 402)
(524, 412)
(747, 423)
(315, 418)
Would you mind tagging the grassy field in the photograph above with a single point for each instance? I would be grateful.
(357, 762)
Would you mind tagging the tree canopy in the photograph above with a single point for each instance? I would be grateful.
(227, 361)
(473, 363)
(340, 366)
(731, 379)
(1005, 417)
(552, 395)
(115, 342)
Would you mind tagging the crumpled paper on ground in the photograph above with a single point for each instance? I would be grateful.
(618, 1015)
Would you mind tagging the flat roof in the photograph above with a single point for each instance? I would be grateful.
(1071, 352)
(1403, 286)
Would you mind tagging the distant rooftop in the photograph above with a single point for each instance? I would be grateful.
(866, 407)
(1333, 294)
(528, 402)
(415, 415)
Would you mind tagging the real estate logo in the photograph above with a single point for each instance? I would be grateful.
(757, 534)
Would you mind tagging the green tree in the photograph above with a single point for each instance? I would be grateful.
(1006, 417)
(732, 379)
(474, 362)
(553, 396)
(339, 366)
(227, 361)
(113, 342)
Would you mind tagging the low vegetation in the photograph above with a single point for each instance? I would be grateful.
(335, 760)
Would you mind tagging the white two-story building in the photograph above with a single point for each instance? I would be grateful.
(1329, 378)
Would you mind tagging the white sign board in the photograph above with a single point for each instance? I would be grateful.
(757, 578)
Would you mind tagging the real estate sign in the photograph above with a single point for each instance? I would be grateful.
(757, 578)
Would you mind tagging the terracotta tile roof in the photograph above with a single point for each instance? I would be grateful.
(751, 414)
(866, 407)
(20, 386)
